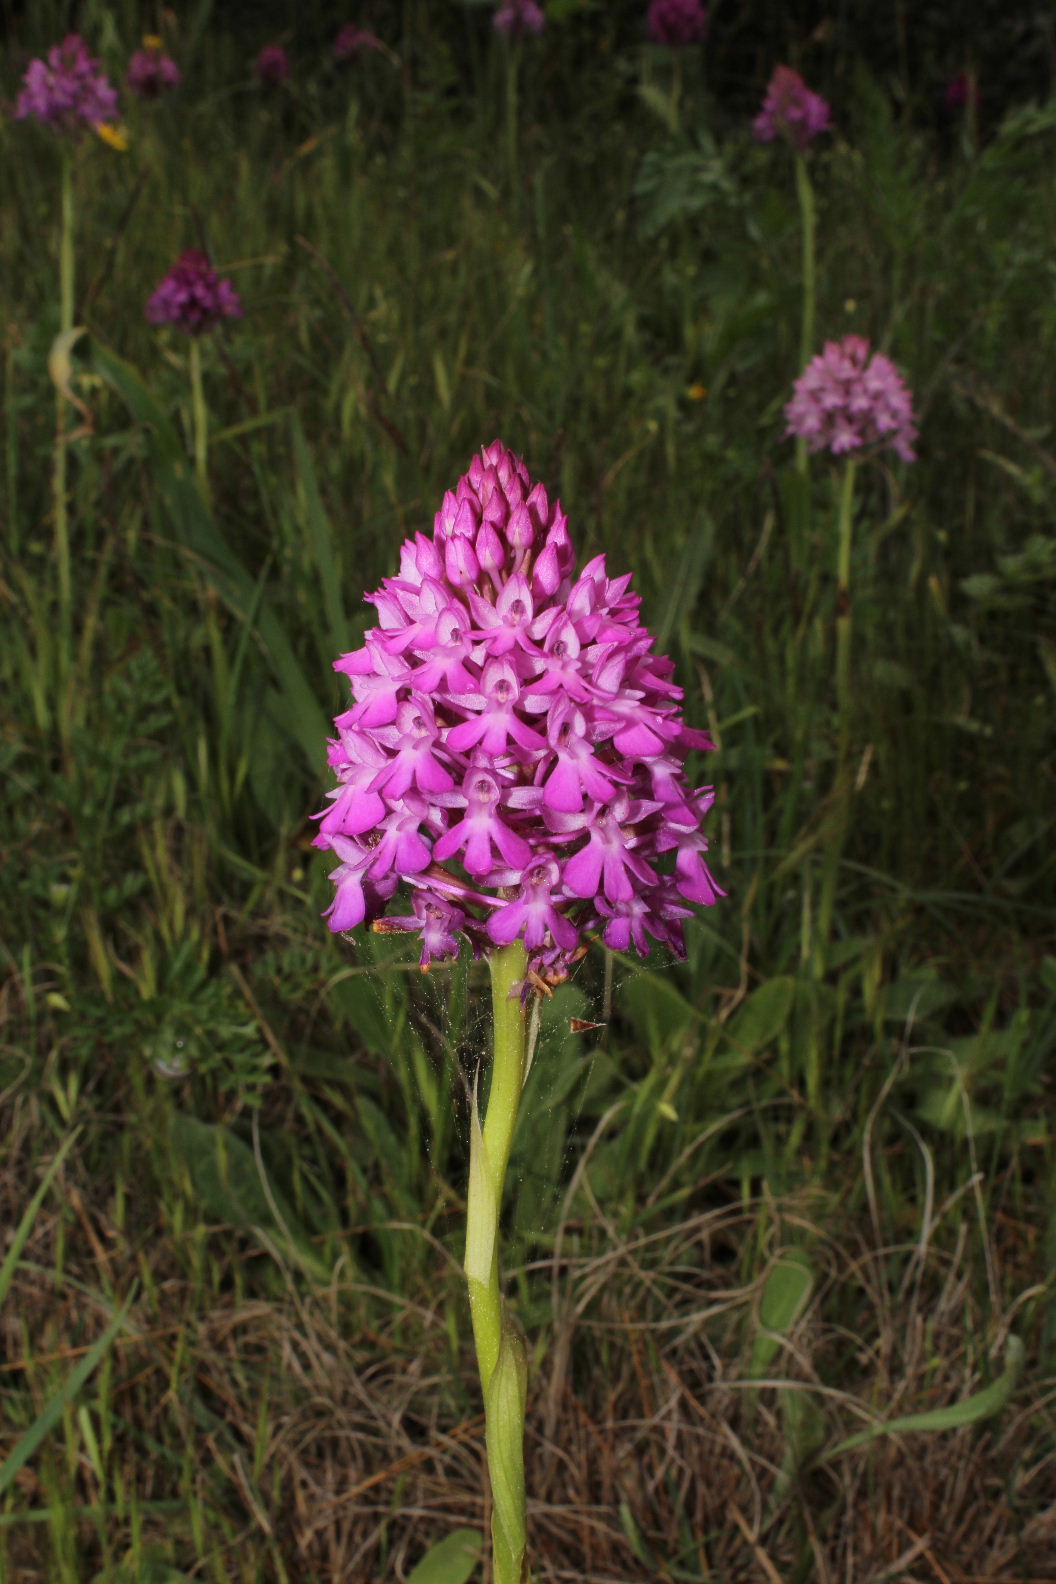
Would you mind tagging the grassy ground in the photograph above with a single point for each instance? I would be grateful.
(778, 1199)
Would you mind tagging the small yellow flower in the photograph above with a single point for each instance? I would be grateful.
(697, 391)
(116, 136)
(152, 41)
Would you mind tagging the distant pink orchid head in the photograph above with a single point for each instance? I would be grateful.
(791, 111)
(516, 18)
(962, 93)
(151, 72)
(272, 66)
(514, 751)
(846, 400)
(68, 89)
(677, 22)
(193, 297)
(352, 42)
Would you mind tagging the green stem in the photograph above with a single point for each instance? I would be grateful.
(500, 1351)
(512, 52)
(805, 194)
(199, 419)
(841, 793)
(58, 476)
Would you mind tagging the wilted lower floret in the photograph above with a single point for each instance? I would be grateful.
(68, 88)
(514, 750)
(193, 297)
(846, 399)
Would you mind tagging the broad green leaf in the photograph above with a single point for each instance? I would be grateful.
(451, 1561)
(785, 1296)
(764, 1015)
(659, 1011)
(971, 1410)
(916, 996)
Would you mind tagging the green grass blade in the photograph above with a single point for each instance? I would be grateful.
(981, 1405)
(25, 1226)
(197, 531)
(52, 1411)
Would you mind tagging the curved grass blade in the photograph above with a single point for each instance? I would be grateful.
(51, 1413)
(980, 1405)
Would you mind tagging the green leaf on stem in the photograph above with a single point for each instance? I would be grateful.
(451, 1561)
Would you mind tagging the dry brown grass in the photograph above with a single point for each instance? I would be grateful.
(651, 1456)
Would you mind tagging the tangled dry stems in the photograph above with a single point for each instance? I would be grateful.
(652, 1455)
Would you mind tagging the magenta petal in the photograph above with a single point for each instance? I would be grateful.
(582, 872)
(505, 925)
(562, 789)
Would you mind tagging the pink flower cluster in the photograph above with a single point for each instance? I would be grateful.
(351, 42)
(151, 72)
(518, 17)
(677, 22)
(193, 297)
(845, 399)
(514, 750)
(68, 88)
(272, 66)
(790, 110)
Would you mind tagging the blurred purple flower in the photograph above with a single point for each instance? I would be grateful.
(845, 399)
(151, 72)
(962, 92)
(193, 297)
(351, 42)
(790, 110)
(514, 751)
(272, 66)
(67, 88)
(677, 22)
(518, 17)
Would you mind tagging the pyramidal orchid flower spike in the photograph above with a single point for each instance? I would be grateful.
(517, 18)
(514, 751)
(151, 72)
(193, 297)
(791, 111)
(272, 66)
(677, 22)
(352, 42)
(846, 399)
(514, 756)
(67, 89)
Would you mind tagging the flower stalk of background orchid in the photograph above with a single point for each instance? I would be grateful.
(678, 24)
(68, 91)
(514, 753)
(515, 19)
(796, 115)
(851, 403)
(194, 299)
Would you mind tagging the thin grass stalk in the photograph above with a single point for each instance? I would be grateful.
(66, 288)
(501, 1357)
(199, 419)
(808, 275)
(512, 53)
